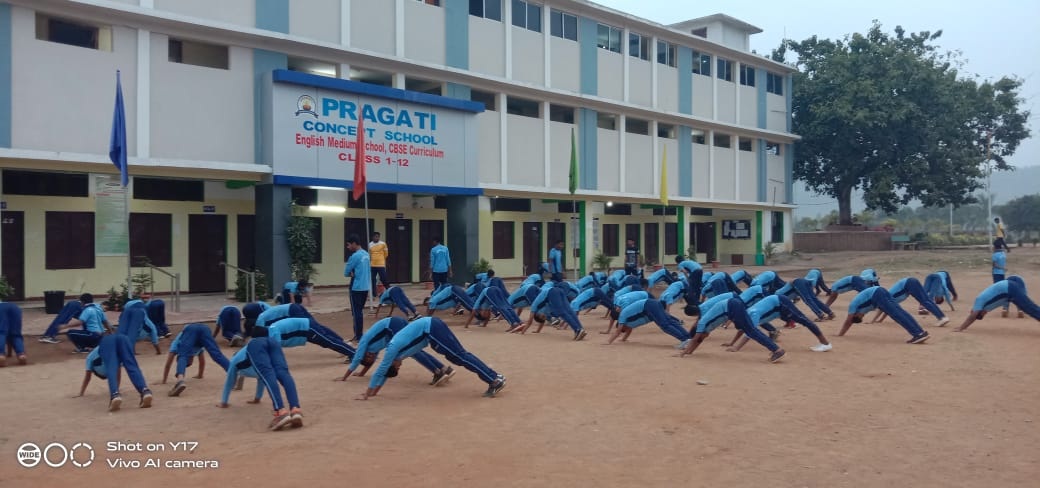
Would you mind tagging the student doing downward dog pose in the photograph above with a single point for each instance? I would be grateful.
(643, 312)
(115, 351)
(844, 285)
(1001, 293)
(263, 359)
(493, 300)
(910, 287)
(877, 297)
(394, 296)
(229, 321)
(431, 331)
(735, 310)
(779, 306)
(378, 337)
(188, 344)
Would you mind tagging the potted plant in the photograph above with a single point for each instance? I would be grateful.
(7, 290)
(112, 303)
(303, 246)
(601, 262)
(480, 266)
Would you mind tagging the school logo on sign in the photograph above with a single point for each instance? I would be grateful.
(305, 105)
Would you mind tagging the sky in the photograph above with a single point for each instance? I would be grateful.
(996, 37)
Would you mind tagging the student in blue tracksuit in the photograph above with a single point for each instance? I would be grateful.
(556, 261)
(188, 344)
(999, 264)
(11, 333)
(719, 283)
(250, 313)
(694, 279)
(939, 286)
(769, 281)
(113, 351)
(803, 288)
(673, 293)
(495, 281)
(68, 312)
(263, 358)
(522, 297)
(493, 300)
(449, 297)
(280, 312)
(93, 322)
(846, 284)
(741, 276)
(708, 316)
(134, 323)
(588, 300)
(1002, 293)
(378, 337)
(870, 277)
(440, 263)
(622, 300)
(359, 270)
(752, 295)
(433, 332)
(660, 276)
(552, 302)
(591, 280)
(779, 307)
(815, 277)
(910, 287)
(876, 297)
(157, 314)
(229, 320)
(298, 331)
(735, 310)
(395, 297)
(534, 279)
(474, 289)
(645, 311)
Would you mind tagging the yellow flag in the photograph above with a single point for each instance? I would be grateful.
(664, 176)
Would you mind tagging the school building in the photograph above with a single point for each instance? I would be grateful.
(470, 110)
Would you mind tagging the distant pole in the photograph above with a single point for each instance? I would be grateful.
(951, 219)
(989, 189)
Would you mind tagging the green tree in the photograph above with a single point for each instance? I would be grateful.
(1022, 214)
(888, 114)
(806, 224)
(303, 244)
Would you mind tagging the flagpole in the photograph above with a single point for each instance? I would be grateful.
(577, 237)
(126, 222)
(368, 232)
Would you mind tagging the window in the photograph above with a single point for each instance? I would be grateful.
(608, 37)
(566, 208)
(610, 239)
(637, 126)
(773, 148)
(701, 63)
(510, 205)
(198, 53)
(171, 190)
(46, 184)
(725, 69)
(520, 106)
(435, 3)
(666, 131)
(638, 46)
(606, 121)
(666, 53)
(488, 9)
(70, 240)
(504, 240)
(698, 136)
(562, 24)
(671, 238)
(774, 83)
(703, 212)
(722, 140)
(527, 15)
(561, 113)
(151, 238)
(619, 209)
(778, 227)
(487, 98)
(423, 86)
(376, 201)
(747, 75)
(304, 197)
(665, 211)
(312, 66)
(702, 32)
(73, 33)
(744, 144)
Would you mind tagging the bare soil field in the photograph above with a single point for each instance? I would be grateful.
(960, 410)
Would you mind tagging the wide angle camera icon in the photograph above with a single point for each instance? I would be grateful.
(56, 455)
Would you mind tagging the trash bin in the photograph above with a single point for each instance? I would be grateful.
(53, 301)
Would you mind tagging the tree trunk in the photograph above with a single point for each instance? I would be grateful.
(845, 206)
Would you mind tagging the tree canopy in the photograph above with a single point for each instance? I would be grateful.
(891, 115)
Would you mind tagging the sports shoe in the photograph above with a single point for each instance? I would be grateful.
(240, 382)
(115, 403)
(236, 341)
(495, 387)
(82, 350)
(146, 399)
(776, 356)
(773, 334)
(821, 348)
(683, 345)
(414, 317)
(167, 335)
(280, 420)
(297, 417)
(919, 339)
(177, 389)
(49, 340)
(554, 322)
(443, 377)
(459, 311)
(579, 335)
(943, 321)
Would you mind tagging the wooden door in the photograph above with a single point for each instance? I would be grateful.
(13, 230)
(207, 248)
(356, 226)
(557, 231)
(247, 242)
(532, 247)
(398, 238)
(703, 238)
(651, 242)
(428, 229)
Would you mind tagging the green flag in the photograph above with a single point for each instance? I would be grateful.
(573, 186)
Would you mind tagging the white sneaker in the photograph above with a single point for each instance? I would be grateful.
(821, 348)
(682, 345)
(943, 321)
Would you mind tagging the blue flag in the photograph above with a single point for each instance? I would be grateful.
(117, 146)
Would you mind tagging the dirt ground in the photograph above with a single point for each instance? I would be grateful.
(960, 410)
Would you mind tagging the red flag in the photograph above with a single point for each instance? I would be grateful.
(359, 161)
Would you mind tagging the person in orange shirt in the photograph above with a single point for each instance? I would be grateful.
(378, 252)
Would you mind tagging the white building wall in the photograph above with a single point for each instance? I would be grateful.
(640, 82)
(315, 19)
(487, 46)
(526, 150)
(424, 32)
(775, 185)
(702, 96)
(238, 12)
(528, 56)
(488, 131)
(608, 163)
(667, 88)
(560, 155)
(725, 173)
(373, 25)
(727, 100)
(565, 67)
(748, 105)
(748, 182)
(701, 171)
(639, 170)
(776, 112)
(611, 74)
